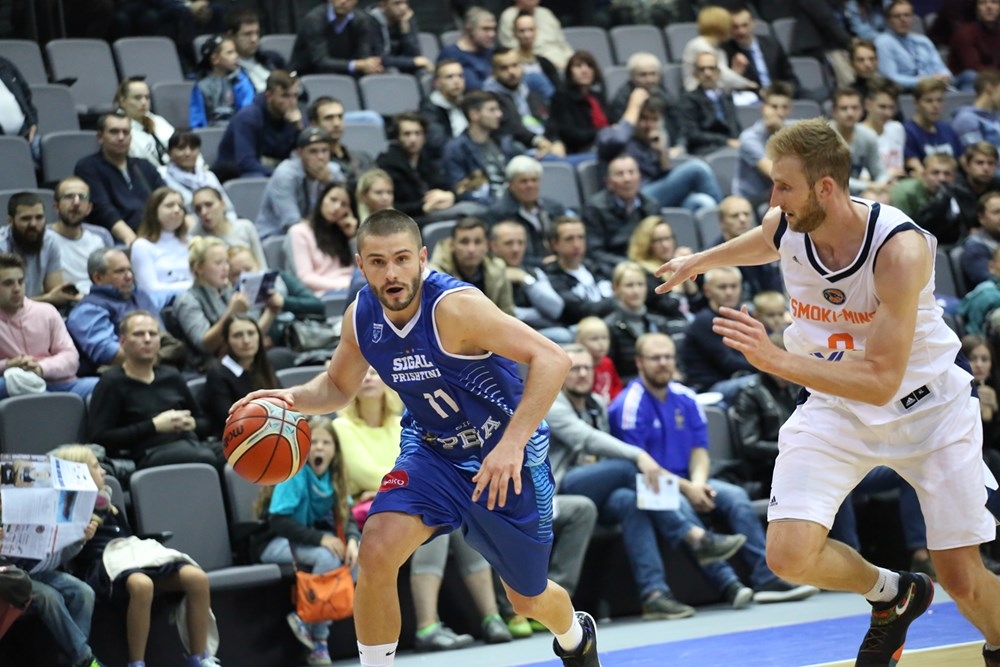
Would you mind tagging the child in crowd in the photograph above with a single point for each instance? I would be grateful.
(593, 334)
(108, 562)
(310, 514)
(225, 88)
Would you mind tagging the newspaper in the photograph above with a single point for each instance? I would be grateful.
(45, 504)
(667, 498)
(257, 285)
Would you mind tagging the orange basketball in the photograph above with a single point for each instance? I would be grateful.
(266, 442)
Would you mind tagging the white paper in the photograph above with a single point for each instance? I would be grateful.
(667, 498)
(47, 504)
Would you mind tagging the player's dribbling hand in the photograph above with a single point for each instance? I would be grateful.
(500, 467)
(284, 395)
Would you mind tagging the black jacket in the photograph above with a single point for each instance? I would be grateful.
(508, 209)
(819, 29)
(18, 87)
(702, 130)
(410, 183)
(625, 329)
(609, 228)
(319, 50)
(570, 118)
(779, 68)
(577, 306)
(760, 409)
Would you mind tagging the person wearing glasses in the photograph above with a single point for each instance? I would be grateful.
(905, 56)
(708, 113)
(74, 237)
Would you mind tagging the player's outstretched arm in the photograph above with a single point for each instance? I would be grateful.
(330, 390)
(470, 324)
(750, 249)
(903, 268)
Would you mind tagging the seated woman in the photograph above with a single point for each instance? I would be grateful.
(321, 248)
(580, 107)
(187, 171)
(715, 24)
(653, 244)
(369, 431)
(374, 192)
(150, 133)
(111, 565)
(202, 310)
(209, 205)
(244, 368)
(309, 514)
(159, 254)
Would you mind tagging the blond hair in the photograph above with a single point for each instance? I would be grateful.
(640, 244)
(589, 323)
(820, 149)
(715, 22)
(80, 454)
(621, 268)
(199, 246)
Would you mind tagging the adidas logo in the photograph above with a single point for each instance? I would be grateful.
(908, 401)
(774, 501)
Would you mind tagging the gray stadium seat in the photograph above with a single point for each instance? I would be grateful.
(274, 252)
(673, 79)
(629, 39)
(27, 425)
(811, 74)
(242, 495)
(159, 507)
(280, 43)
(615, 77)
(48, 198)
(89, 62)
(339, 86)
(805, 109)
(429, 45)
(747, 115)
(172, 100)
(762, 27)
(56, 109)
(291, 377)
(199, 40)
(436, 231)
(783, 30)
(683, 225)
(944, 278)
(246, 195)
(907, 105)
(724, 165)
(26, 55)
(390, 94)
(365, 137)
(678, 35)
(721, 444)
(335, 304)
(18, 166)
(62, 150)
(955, 255)
(707, 220)
(559, 183)
(449, 37)
(153, 58)
(953, 99)
(196, 386)
(594, 40)
(591, 180)
(210, 138)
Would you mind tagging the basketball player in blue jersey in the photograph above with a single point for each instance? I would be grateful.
(474, 445)
(884, 385)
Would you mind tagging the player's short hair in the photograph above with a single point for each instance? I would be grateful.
(279, 79)
(771, 298)
(845, 92)
(718, 271)
(312, 111)
(820, 148)
(386, 223)
(476, 100)
(444, 62)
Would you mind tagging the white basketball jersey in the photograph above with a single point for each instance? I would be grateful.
(832, 313)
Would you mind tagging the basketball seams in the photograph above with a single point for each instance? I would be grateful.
(273, 440)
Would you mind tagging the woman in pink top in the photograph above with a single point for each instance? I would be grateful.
(321, 247)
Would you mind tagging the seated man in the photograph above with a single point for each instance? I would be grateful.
(263, 134)
(243, 26)
(584, 285)
(119, 184)
(327, 114)
(442, 108)
(36, 352)
(926, 133)
(663, 418)
(145, 411)
(736, 217)
(905, 56)
(866, 163)
(74, 237)
(333, 38)
(523, 203)
(645, 71)
(524, 111)
(976, 177)
(393, 38)
(708, 113)
(474, 48)
(753, 172)
(980, 121)
(927, 199)
(983, 241)
(578, 424)
(549, 41)
(465, 255)
(27, 237)
(692, 184)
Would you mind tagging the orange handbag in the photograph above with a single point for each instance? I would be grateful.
(324, 597)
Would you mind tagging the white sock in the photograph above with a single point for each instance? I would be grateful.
(886, 587)
(380, 655)
(572, 638)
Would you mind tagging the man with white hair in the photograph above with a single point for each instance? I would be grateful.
(645, 71)
(523, 204)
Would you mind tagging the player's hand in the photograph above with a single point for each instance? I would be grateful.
(745, 334)
(351, 553)
(333, 544)
(651, 470)
(283, 395)
(701, 496)
(677, 271)
(500, 467)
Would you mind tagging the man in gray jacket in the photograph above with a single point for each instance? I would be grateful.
(578, 425)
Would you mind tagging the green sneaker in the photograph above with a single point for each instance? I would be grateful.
(519, 627)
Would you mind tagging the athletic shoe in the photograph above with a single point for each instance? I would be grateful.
(300, 630)
(89, 661)
(992, 658)
(883, 644)
(780, 590)
(319, 655)
(713, 548)
(660, 606)
(495, 631)
(442, 638)
(537, 626)
(737, 595)
(519, 627)
(586, 653)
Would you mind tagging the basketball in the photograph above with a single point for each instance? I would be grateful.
(266, 442)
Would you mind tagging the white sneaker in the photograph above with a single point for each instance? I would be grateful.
(300, 630)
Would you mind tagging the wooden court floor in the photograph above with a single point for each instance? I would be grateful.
(959, 655)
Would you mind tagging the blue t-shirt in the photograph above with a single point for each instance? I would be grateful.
(920, 143)
(669, 430)
(306, 498)
(458, 405)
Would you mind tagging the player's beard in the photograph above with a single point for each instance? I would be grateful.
(810, 218)
(384, 299)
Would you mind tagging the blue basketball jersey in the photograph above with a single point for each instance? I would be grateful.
(459, 406)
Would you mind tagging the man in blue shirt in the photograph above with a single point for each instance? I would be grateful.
(904, 56)
(663, 418)
(474, 49)
(926, 133)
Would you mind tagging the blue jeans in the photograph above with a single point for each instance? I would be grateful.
(845, 526)
(733, 504)
(65, 605)
(82, 387)
(691, 184)
(610, 484)
(321, 559)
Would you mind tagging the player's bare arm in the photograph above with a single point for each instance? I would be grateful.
(750, 249)
(469, 323)
(331, 390)
(903, 268)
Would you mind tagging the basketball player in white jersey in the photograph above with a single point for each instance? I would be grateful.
(884, 385)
